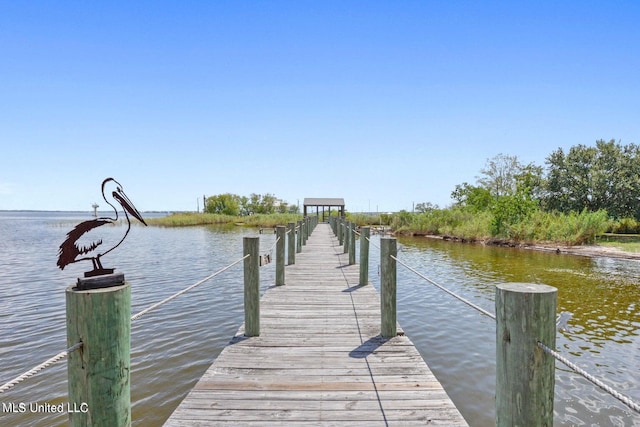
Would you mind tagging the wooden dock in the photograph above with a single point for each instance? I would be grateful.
(319, 359)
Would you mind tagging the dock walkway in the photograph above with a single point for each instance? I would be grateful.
(319, 359)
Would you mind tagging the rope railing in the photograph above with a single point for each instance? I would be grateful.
(368, 238)
(58, 357)
(621, 397)
(185, 290)
(273, 245)
(39, 368)
(453, 294)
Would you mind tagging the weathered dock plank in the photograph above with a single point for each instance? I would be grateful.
(319, 359)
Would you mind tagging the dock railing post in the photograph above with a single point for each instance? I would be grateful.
(251, 246)
(347, 236)
(525, 374)
(281, 234)
(305, 230)
(340, 226)
(99, 372)
(388, 248)
(352, 244)
(299, 237)
(291, 243)
(365, 232)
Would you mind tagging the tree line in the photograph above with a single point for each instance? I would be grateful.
(584, 190)
(606, 176)
(235, 205)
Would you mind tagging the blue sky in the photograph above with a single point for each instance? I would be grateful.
(383, 103)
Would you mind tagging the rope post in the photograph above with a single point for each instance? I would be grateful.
(305, 230)
(99, 373)
(525, 315)
(388, 248)
(352, 244)
(299, 239)
(291, 243)
(347, 236)
(365, 232)
(281, 234)
(251, 246)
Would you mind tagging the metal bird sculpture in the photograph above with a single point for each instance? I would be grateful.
(72, 250)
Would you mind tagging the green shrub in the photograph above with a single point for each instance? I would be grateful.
(625, 226)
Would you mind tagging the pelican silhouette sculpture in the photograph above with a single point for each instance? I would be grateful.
(72, 250)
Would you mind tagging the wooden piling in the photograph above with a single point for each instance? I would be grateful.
(99, 372)
(525, 374)
(352, 244)
(305, 230)
(291, 243)
(388, 247)
(251, 247)
(281, 233)
(347, 236)
(299, 237)
(365, 232)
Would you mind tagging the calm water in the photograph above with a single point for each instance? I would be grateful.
(172, 346)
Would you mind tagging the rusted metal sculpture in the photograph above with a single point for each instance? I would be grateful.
(74, 250)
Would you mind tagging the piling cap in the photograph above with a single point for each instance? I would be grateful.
(527, 288)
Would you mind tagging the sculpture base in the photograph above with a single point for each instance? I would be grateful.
(102, 281)
(99, 272)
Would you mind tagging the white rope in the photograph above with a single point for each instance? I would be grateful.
(176, 295)
(621, 397)
(40, 367)
(453, 294)
(274, 245)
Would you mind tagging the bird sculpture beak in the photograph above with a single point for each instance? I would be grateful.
(127, 205)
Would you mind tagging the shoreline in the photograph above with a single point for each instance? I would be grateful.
(579, 250)
(589, 251)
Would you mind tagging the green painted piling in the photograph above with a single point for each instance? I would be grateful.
(347, 236)
(365, 232)
(388, 274)
(281, 233)
(251, 246)
(291, 243)
(99, 372)
(305, 230)
(352, 244)
(299, 237)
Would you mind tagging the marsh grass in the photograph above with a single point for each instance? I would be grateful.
(186, 219)
(571, 229)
